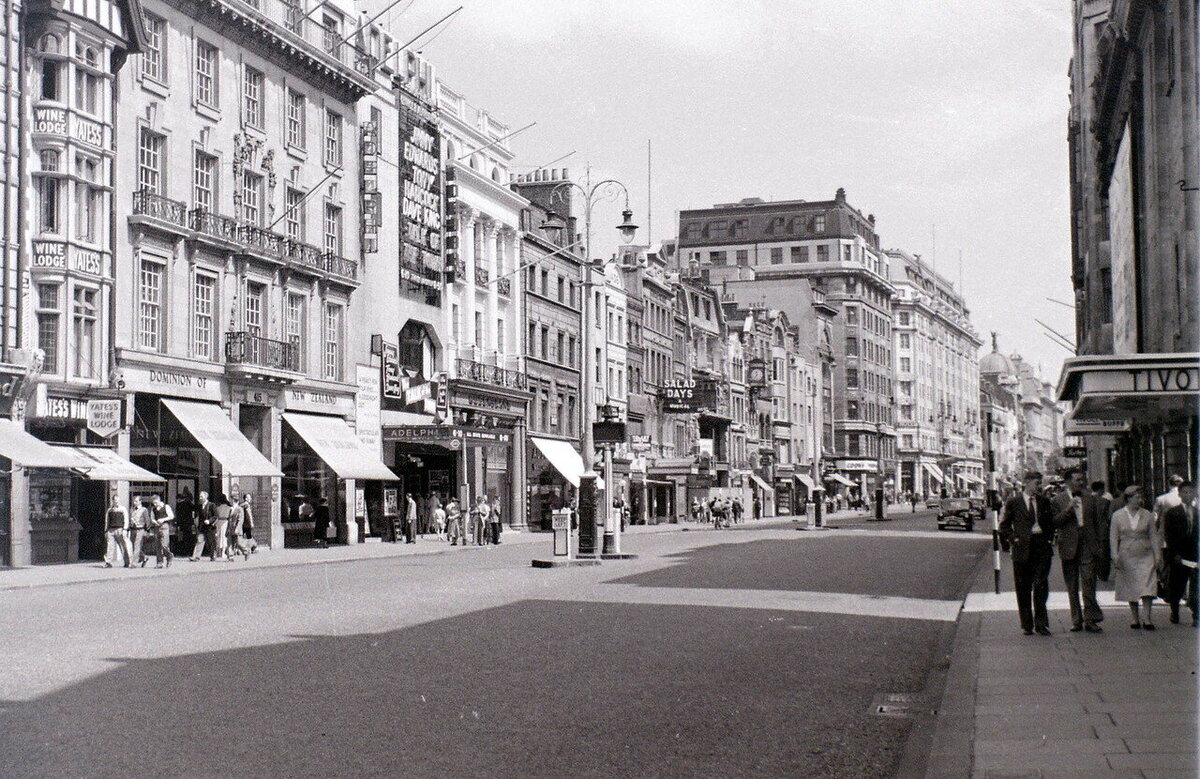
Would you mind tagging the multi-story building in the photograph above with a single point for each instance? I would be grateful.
(1041, 429)
(1135, 254)
(57, 273)
(552, 276)
(937, 382)
(488, 393)
(1002, 417)
(240, 255)
(832, 246)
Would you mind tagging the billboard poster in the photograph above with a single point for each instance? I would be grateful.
(687, 396)
(421, 193)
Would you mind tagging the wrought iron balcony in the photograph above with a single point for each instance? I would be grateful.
(340, 266)
(481, 277)
(156, 206)
(303, 255)
(504, 286)
(243, 348)
(214, 225)
(261, 240)
(489, 374)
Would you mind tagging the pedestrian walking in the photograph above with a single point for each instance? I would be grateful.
(1077, 524)
(139, 530)
(432, 506)
(237, 528)
(696, 509)
(116, 523)
(159, 521)
(495, 522)
(248, 523)
(439, 521)
(203, 526)
(410, 519)
(320, 516)
(1026, 524)
(1182, 552)
(736, 509)
(221, 514)
(454, 519)
(1137, 556)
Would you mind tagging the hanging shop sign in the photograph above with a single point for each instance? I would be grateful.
(450, 436)
(1077, 426)
(687, 396)
(104, 416)
(858, 465)
(1075, 451)
(392, 386)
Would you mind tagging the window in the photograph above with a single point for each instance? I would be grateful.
(51, 76)
(87, 91)
(852, 378)
(331, 33)
(84, 326)
(544, 351)
(150, 305)
(716, 258)
(847, 252)
(333, 230)
(333, 138)
(333, 342)
(49, 205)
(571, 358)
(479, 339)
(561, 288)
(293, 17)
(204, 288)
(293, 220)
(853, 447)
(294, 325)
(295, 118)
(252, 97)
(905, 365)
(207, 83)
(799, 254)
(88, 201)
(905, 318)
(852, 409)
(560, 350)
(47, 321)
(905, 341)
(818, 224)
(851, 347)
(154, 63)
(531, 341)
(851, 315)
(150, 149)
(743, 257)
(252, 198)
(204, 182)
(822, 254)
(776, 255)
(253, 308)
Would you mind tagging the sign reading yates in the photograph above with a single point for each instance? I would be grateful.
(104, 417)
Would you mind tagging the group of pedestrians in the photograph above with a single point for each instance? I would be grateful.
(718, 510)
(1147, 553)
(127, 531)
(480, 525)
(225, 526)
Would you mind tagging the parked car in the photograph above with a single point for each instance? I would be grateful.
(956, 512)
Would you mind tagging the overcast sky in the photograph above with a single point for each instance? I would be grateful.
(949, 114)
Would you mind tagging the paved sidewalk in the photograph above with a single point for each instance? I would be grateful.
(1119, 703)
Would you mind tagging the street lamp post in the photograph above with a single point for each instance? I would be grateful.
(606, 190)
(879, 512)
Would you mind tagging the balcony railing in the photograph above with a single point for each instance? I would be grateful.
(504, 286)
(261, 240)
(303, 254)
(340, 266)
(489, 374)
(154, 205)
(481, 277)
(214, 225)
(243, 348)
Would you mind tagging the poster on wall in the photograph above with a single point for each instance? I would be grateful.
(366, 407)
(421, 194)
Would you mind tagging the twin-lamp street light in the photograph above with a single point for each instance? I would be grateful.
(592, 194)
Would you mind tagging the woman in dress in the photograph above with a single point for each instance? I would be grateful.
(1136, 556)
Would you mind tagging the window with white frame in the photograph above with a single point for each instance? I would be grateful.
(204, 181)
(151, 274)
(294, 318)
(204, 296)
(252, 198)
(333, 138)
(296, 109)
(331, 33)
(88, 88)
(150, 161)
(154, 62)
(252, 97)
(332, 363)
(293, 219)
(87, 358)
(50, 204)
(207, 74)
(89, 200)
(254, 307)
(293, 17)
(48, 318)
(333, 230)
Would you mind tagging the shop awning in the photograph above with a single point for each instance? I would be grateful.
(221, 438)
(100, 464)
(840, 479)
(934, 471)
(807, 481)
(759, 481)
(562, 456)
(23, 449)
(1149, 387)
(971, 478)
(335, 443)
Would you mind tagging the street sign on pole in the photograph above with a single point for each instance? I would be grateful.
(104, 417)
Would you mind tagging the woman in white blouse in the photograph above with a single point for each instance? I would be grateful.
(1136, 555)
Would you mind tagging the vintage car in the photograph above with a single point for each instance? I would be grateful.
(978, 508)
(956, 512)
(933, 503)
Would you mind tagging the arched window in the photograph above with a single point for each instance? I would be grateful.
(49, 160)
(495, 174)
(49, 44)
(450, 155)
(474, 162)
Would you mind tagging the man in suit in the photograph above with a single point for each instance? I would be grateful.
(1026, 525)
(1183, 544)
(1077, 530)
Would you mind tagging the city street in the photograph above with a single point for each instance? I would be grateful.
(755, 651)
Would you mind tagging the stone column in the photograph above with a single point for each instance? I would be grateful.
(491, 304)
(275, 518)
(519, 518)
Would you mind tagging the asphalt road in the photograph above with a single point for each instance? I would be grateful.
(475, 664)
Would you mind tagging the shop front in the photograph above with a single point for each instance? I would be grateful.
(555, 468)
(37, 478)
(1137, 414)
(492, 421)
(675, 482)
